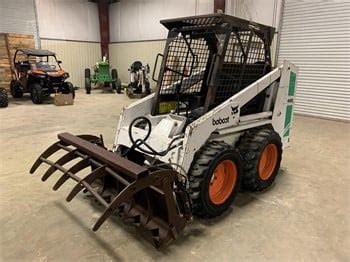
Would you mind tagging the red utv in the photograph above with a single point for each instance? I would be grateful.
(39, 73)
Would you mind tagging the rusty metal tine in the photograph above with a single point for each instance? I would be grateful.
(51, 150)
(59, 163)
(126, 194)
(170, 202)
(118, 177)
(74, 169)
(98, 172)
(95, 194)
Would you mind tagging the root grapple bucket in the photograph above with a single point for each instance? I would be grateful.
(138, 194)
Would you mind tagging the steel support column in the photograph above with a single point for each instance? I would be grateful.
(103, 15)
(219, 6)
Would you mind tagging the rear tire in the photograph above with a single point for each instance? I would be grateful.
(114, 75)
(15, 89)
(87, 81)
(214, 178)
(37, 94)
(261, 150)
(119, 86)
(4, 102)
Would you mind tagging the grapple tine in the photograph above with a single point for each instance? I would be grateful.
(128, 192)
(51, 150)
(97, 173)
(61, 161)
(70, 172)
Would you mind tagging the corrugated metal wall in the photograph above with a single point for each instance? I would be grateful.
(122, 55)
(75, 56)
(316, 37)
(18, 16)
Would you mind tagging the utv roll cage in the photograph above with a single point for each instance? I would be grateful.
(209, 58)
(35, 53)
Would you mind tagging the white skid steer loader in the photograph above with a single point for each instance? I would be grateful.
(217, 122)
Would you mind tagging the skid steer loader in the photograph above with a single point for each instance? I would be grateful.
(217, 122)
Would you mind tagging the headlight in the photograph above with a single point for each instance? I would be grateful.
(65, 75)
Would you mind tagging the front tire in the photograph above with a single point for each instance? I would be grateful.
(37, 94)
(3, 97)
(214, 178)
(261, 150)
(69, 89)
(15, 89)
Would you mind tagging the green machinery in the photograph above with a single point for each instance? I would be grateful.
(102, 76)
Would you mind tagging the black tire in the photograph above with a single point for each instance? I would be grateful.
(69, 89)
(4, 102)
(148, 88)
(257, 147)
(114, 75)
(15, 89)
(201, 174)
(119, 86)
(37, 94)
(87, 81)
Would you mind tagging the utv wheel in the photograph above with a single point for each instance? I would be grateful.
(15, 89)
(37, 94)
(69, 89)
(3, 97)
(87, 81)
(214, 178)
(261, 150)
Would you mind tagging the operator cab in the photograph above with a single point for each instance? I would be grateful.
(207, 60)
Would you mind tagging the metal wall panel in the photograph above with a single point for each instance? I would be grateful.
(316, 37)
(75, 56)
(139, 20)
(122, 55)
(18, 16)
(68, 20)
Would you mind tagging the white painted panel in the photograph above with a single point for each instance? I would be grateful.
(316, 37)
(266, 12)
(122, 55)
(75, 57)
(139, 20)
(68, 20)
(13, 20)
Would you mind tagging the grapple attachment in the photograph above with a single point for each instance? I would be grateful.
(137, 193)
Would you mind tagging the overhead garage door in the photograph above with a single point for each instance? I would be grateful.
(316, 37)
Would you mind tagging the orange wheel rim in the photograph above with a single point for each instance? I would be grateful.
(268, 161)
(222, 182)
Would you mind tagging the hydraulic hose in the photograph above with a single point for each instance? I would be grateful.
(142, 142)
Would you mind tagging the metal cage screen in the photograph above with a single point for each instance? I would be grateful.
(183, 67)
(244, 63)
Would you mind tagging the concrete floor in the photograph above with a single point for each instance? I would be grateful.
(304, 217)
